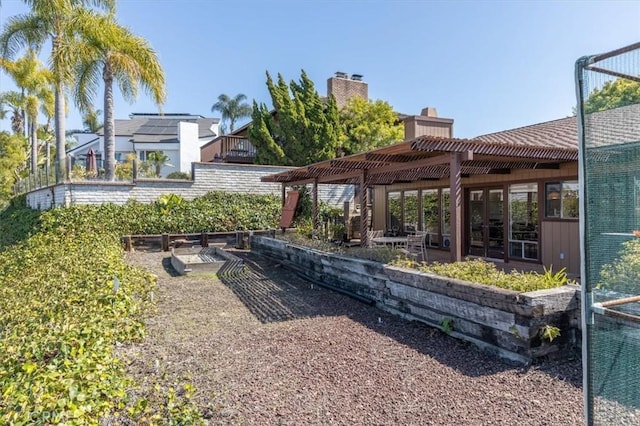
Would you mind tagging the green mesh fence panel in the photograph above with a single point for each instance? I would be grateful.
(608, 88)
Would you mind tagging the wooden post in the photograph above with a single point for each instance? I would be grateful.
(455, 206)
(134, 169)
(127, 243)
(165, 242)
(364, 211)
(315, 216)
(204, 239)
(345, 214)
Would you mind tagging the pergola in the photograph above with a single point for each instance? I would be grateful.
(424, 158)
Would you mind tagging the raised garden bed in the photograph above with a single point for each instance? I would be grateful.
(198, 260)
(505, 322)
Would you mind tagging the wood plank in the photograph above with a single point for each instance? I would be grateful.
(480, 314)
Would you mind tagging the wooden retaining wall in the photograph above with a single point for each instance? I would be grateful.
(503, 322)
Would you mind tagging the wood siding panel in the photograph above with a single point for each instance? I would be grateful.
(561, 239)
(378, 216)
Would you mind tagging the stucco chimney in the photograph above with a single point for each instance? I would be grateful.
(427, 124)
(343, 87)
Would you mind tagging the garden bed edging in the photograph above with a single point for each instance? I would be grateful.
(504, 322)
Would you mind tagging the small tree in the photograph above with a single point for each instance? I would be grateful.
(91, 120)
(13, 157)
(368, 125)
(158, 160)
(613, 94)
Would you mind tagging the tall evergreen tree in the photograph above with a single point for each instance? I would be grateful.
(307, 128)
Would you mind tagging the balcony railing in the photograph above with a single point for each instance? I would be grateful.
(236, 149)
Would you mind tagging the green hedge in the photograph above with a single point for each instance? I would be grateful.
(213, 212)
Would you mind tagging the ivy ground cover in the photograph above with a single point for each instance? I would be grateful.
(67, 298)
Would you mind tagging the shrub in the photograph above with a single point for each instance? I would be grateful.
(623, 274)
(477, 270)
(482, 272)
(179, 175)
(17, 222)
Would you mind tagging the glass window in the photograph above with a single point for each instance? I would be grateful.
(410, 211)
(431, 216)
(561, 200)
(394, 211)
(446, 213)
(523, 221)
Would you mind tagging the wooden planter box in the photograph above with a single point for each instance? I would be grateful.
(504, 322)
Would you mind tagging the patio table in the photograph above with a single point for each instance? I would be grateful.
(394, 242)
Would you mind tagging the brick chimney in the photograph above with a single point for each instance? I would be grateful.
(343, 87)
(427, 124)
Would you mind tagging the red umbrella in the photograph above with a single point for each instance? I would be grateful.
(92, 165)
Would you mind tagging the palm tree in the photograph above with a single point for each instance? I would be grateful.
(109, 51)
(91, 120)
(232, 109)
(15, 101)
(49, 20)
(158, 160)
(35, 81)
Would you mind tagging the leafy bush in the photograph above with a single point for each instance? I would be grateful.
(623, 275)
(477, 270)
(179, 175)
(213, 212)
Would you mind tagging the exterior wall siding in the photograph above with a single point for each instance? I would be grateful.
(561, 245)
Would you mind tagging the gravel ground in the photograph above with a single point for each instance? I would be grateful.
(269, 348)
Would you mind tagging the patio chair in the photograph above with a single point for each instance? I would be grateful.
(374, 234)
(416, 248)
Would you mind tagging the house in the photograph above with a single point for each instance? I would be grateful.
(505, 196)
(179, 136)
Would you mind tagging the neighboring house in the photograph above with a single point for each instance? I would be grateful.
(515, 192)
(179, 136)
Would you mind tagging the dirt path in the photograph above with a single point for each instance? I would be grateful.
(269, 348)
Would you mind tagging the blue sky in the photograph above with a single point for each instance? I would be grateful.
(489, 65)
